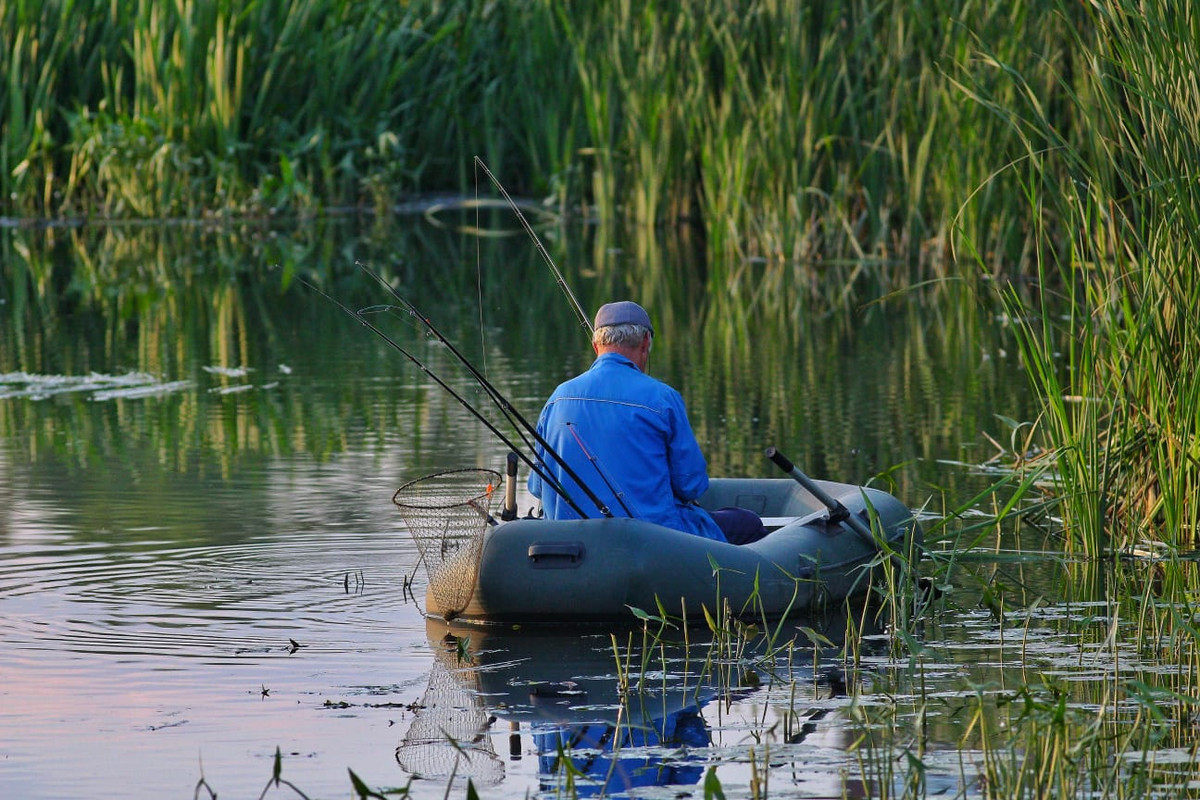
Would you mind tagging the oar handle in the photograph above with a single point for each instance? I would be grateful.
(780, 460)
(837, 511)
(509, 512)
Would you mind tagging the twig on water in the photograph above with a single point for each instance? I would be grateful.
(359, 582)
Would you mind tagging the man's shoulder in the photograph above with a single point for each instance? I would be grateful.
(573, 385)
(661, 386)
(616, 380)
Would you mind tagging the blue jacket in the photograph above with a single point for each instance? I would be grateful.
(636, 430)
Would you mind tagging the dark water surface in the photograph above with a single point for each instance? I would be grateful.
(200, 563)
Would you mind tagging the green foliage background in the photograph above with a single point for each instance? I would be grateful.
(1040, 152)
(807, 131)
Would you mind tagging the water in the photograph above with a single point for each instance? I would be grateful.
(200, 564)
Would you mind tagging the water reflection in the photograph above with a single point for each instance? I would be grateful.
(235, 362)
(195, 452)
(617, 758)
(560, 699)
(605, 714)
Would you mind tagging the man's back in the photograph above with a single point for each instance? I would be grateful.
(627, 436)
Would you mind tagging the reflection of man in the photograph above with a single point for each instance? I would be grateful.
(627, 435)
(595, 750)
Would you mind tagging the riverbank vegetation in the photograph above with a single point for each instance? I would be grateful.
(829, 154)
(845, 132)
(1034, 159)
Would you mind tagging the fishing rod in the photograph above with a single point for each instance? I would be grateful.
(618, 493)
(558, 276)
(510, 412)
(450, 390)
(519, 423)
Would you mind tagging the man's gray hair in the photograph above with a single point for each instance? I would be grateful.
(626, 335)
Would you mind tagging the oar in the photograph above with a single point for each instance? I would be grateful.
(837, 511)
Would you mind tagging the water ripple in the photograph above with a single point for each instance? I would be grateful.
(323, 591)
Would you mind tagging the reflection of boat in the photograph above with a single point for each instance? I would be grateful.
(591, 709)
(564, 695)
(534, 571)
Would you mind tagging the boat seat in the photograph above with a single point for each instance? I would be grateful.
(775, 523)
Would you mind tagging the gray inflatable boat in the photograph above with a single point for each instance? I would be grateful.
(536, 572)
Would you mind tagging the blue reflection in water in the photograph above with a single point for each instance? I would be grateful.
(596, 750)
(565, 696)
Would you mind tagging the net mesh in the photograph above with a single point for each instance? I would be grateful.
(449, 735)
(446, 514)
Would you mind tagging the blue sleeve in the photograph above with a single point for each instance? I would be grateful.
(689, 471)
(534, 483)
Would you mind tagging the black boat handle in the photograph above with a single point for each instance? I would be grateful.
(556, 555)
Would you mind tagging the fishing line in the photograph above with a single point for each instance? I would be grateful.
(479, 275)
(558, 276)
(413, 319)
(545, 476)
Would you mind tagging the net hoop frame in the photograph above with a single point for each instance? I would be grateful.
(493, 481)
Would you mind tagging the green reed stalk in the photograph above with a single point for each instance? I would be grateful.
(1120, 403)
(829, 143)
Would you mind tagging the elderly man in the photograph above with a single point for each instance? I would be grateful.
(627, 436)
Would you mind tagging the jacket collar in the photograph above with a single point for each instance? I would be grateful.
(612, 358)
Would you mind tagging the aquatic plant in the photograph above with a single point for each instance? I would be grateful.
(361, 789)
(830, 143)
(1108, 329)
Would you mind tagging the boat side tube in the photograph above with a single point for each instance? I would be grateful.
(547, 572)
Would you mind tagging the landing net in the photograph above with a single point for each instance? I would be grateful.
(447, 514)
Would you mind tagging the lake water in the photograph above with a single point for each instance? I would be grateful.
(200, 564)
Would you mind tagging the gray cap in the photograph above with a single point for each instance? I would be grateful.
(623, 312)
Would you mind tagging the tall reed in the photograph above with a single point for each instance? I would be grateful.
(1110, 335)
(149, 109)
(809, 138)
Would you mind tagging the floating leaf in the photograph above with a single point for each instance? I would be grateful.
(817, 638)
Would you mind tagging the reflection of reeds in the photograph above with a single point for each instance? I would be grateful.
(172, 300)
(213, 306)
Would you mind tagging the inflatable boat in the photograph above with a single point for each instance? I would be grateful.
(826, 542)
